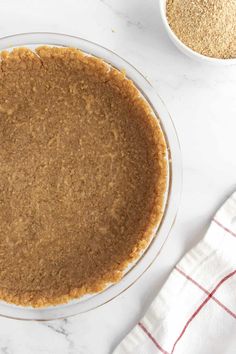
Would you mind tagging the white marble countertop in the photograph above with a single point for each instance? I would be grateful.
(202, 102)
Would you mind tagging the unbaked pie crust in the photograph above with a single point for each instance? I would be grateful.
(82, 175)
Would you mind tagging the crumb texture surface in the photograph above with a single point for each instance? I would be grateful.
(82, 175)
(206, 26)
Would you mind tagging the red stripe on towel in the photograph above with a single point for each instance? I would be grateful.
(224, 228)
(200, 308)
(152, 338)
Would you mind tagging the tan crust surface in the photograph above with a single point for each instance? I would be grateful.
(82, 175)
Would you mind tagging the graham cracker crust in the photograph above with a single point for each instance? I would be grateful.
(83, 174)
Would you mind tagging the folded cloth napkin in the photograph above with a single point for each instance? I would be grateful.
(195, 312)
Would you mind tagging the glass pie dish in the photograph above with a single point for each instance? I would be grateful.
(135, 270)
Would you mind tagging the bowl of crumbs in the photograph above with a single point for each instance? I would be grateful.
(204, 30)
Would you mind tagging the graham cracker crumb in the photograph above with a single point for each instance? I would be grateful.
(206, 26)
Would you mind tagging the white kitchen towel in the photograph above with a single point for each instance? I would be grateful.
(195, 312)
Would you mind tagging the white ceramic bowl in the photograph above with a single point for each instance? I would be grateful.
(87, 303)
(185, 49)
